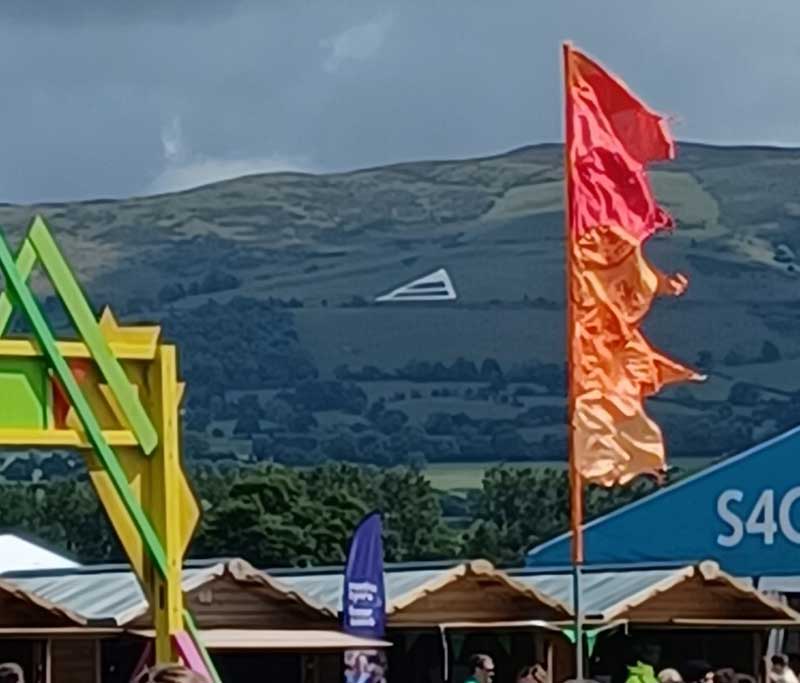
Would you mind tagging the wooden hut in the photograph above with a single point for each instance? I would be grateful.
(436, 614)
(89, 625)
(693, 612)
(92, 624)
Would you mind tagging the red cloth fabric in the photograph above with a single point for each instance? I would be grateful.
(613, 136)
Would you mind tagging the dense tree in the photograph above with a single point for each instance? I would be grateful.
(391, 421)
(64, 513)
(705, 360)
(744, 394)
(247, 425)
(769, 352)
(217, 281)
(170, 293)
(519, 508)
(279, 516)
(272, 515)
(233, 346)
(284, 516)
(315, 395)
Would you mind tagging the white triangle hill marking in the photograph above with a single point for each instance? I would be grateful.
(436, 286)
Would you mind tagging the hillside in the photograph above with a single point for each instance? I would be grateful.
(269, 284)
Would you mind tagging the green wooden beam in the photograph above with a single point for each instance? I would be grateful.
(22, 295)
(26, 260)
(87, 327)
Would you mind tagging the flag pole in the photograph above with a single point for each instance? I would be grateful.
(575, 479)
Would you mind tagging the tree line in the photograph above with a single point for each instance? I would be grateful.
(275, 516)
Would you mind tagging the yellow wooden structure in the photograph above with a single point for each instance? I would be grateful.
(114, 395)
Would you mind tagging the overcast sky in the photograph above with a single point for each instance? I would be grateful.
(112, 98)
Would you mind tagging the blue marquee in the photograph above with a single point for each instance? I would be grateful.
(743, 513)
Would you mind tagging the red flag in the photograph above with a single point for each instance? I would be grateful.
(611, 135)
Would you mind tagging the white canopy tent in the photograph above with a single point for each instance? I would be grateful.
(17, 554)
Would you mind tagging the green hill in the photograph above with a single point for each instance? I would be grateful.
(269, 284)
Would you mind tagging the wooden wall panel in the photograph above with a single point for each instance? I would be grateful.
(16, 612)
(471, 599)
(697, 599)
(74, 661)
(227, 603)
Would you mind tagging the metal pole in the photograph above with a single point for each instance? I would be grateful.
(576, 598)
(445, 654)
(575, 475)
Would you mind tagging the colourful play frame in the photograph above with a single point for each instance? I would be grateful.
(122, 415)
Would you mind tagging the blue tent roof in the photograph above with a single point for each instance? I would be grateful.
(743, 513)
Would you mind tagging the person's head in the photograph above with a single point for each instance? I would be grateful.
(11, 673)
(647, 653)
(780, 663)
(699, 671)
(482, 668)
(725, 676)
(171, 673)
(670, 676)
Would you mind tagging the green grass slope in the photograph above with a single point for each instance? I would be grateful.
(269, 284)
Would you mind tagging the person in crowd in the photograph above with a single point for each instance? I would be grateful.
(171, 673)
(725, 676)
(532, 674)
(780, 671)
(481, 669)
(360, 671)
(670, 676)
(11, 673)
(698, 671)
(641, 672)
(641, 669)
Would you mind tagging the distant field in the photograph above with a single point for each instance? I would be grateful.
(390, 337)
(467, 475)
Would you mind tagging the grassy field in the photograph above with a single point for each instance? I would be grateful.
(465, 476)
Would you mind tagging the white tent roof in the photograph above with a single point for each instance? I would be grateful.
(17, 554)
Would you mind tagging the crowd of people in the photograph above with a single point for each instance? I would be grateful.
(365, 666)
(699, 671)
(481, 668)
(170, 673)
(641, 670)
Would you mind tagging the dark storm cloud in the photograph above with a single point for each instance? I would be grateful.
(107, 101)
(49, 12)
